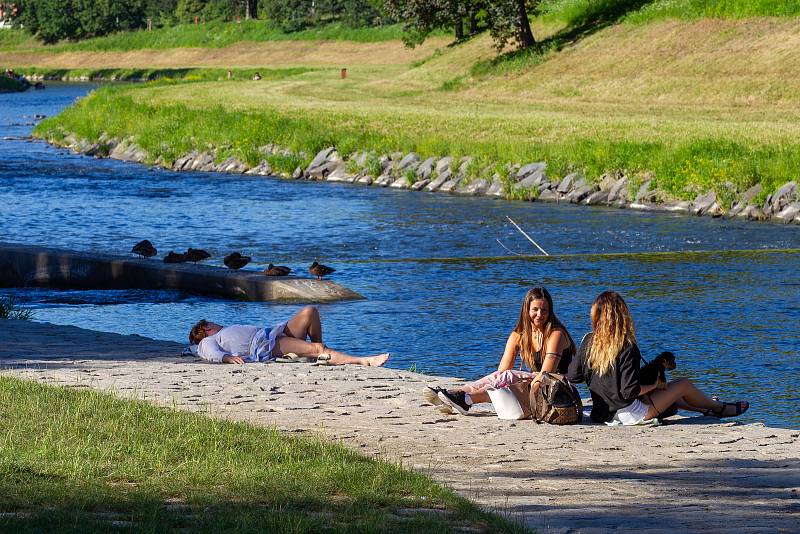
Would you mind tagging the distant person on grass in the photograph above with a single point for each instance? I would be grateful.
(608, 361)
(240, 344)
(540, 340)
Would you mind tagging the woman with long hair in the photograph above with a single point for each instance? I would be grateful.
(608, 361)
(539, 339)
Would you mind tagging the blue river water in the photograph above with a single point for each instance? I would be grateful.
(442, 293)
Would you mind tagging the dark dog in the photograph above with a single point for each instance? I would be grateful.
(655, 371)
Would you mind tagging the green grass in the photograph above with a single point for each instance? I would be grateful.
(687, 154)
(75, 461)
(13, 38)
(578, 12)
(8, 85)
(210, 35)
(189, 74)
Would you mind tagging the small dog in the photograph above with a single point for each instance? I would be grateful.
(655, 371)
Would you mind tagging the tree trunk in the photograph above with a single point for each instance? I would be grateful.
(524, 34)
(459, 28)
(473, 22)
(251, 9)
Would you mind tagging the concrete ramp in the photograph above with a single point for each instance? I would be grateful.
(26, 266)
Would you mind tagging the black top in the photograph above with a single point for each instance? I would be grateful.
(614, 390)
(563, 363)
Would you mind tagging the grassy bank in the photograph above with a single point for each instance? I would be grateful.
(89, 462)
(616, 86)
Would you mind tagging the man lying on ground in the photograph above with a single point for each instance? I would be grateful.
(245, 343)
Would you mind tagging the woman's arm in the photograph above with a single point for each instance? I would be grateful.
(553, 350)
(510, 354)
(629, 361)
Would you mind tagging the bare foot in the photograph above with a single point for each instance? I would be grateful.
(377, 360)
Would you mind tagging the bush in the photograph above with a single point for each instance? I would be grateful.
(9, 310)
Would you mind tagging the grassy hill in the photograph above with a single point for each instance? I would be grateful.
(644, 88)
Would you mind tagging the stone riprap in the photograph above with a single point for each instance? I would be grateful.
(696, 475)
(28, 265)
(446, 175)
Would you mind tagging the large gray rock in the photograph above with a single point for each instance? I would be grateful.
(418, 185)
(439, 181)
(425, 169)
(443, 164)
(476, 187)
(606, 182)
(548, 195)
(598, 197)
(339, 174)
(789, 213)
(532, 180)
(644, 192)
(577, 195)
(531, 168)
(619, 191)
(321, 172)
(408, 162)
(781, 198)
(745, 200)
(566, 183)
(677, 206)
(753, 213)
(496, 188)
(233, 165)
(450, 185)
(705, 203)
(298, 173)
(384, 180)
(400, 183)
(262, 169)
(366, 180)
(387, 164)
(202, 160)
(464, 164)
(322, 156)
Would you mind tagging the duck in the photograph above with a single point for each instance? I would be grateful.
(144, 249)
(319, 270)
(235, 260)
(175, 257)
(197, 254)
(277, 270)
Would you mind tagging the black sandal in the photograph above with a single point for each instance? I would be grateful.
(741, 407)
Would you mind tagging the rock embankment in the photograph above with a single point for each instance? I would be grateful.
(466, 176)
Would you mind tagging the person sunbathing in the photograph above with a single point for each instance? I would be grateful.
(540, 340)
(299, 337)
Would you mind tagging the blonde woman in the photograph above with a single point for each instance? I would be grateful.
(608, 361)
(539, 339)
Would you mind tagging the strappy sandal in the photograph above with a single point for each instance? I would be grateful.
(291, 357)
(323, 359)
(741, 407)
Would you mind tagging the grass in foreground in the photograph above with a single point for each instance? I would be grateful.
(86, 461)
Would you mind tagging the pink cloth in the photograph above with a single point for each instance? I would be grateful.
(498, 379)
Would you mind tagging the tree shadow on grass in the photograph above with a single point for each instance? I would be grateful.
(598, 16)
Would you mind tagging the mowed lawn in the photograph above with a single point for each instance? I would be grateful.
(699, 105)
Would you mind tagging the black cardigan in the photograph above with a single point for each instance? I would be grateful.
(614, 390)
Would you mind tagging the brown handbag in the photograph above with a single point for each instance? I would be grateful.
(557, 401)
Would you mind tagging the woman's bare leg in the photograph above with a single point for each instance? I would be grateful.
(305, 324)
(301, 347)
(684, 391)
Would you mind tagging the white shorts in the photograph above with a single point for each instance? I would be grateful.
(632, 414)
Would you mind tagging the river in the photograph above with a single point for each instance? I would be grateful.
(442, 293)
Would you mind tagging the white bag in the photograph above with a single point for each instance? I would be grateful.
(507, 405)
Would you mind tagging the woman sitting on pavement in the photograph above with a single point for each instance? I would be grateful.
(608, 361)
(539, 338)
(244, 343)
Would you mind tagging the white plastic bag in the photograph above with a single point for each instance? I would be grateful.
(507, 405)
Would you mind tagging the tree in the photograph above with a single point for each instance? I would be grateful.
(506, 20)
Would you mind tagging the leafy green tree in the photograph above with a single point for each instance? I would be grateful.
(506, 20)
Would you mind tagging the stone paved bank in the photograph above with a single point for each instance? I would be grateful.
(465, 177)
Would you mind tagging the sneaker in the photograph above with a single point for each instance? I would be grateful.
(431, 395)
(455, 400)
